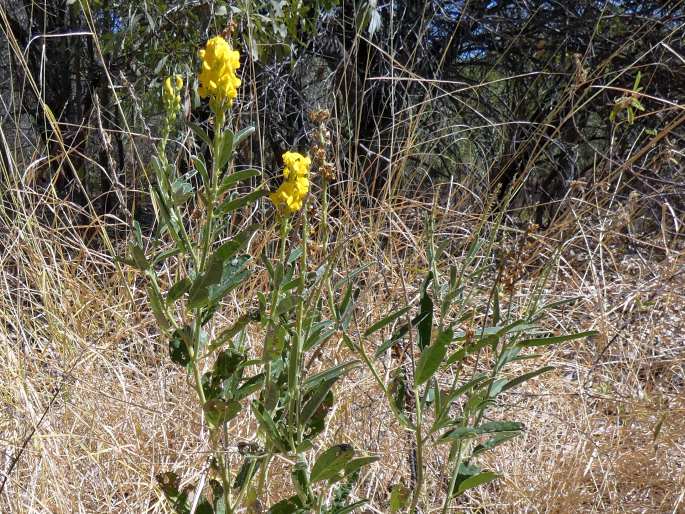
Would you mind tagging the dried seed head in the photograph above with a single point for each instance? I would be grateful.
(319, 116)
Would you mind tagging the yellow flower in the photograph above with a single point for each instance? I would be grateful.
(296, 165)
(289, 197)
(218, 80)
(171, 95)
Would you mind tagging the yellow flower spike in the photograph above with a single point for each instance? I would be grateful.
(171, 97)
(289, 197)
(218, 79)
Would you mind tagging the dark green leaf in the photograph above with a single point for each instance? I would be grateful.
(432, 357)
(527, 376)
(158, 309)
(351, 508)
(493, 442)
(238, 176)
(292, 505)
(331, 463)
(315, 399)
(219, 412)
(200, 132)
(399, 498)
(544, 341)
(178, 290)
(268, 425)
(231, 204)
(334, 372)
(178, 349)
(425, 325)
(227, 362)
(247, 470)
(355, 465)
(386, 321)
(475, 481)
(138, 257)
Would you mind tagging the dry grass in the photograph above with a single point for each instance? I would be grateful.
(92, 408)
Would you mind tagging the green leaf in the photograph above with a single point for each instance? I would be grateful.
(219, 412)
(178, 349)
(200, 132)
(181, 191)
(251, 385)
(238, 176)
(241, 135)
(219, 279)
(334, 372)
(225, 149)
(525, 377)
(300, 477)
(545, 341)
(386, 321)
(355, 465)
(169, 483)
(178, 290)
(268, 425)
(234, 203)
(316, 399)
(138, 256)
(230, 248)
(432, 357)
(247, 470)
(274, 342)
(475, 481)
(493, 442)
(158, 309)
(490, 427)
(229, 333)
(351, 508)
(201, 167)
(320, 333)
(399, 334)
(425, 325)
(292, 505)
(331, 463)
(228, 362)
(399, 498)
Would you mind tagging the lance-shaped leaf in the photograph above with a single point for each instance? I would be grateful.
(490, 427)
(545, 341)
(331, 463)
(334, 372)
(475, 481)
(432, 357)
(238, 176)
(268, 425)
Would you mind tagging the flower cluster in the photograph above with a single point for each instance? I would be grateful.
(218, 79)
(171, 95)
(291, 194)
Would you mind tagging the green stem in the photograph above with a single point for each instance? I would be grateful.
(296, 353)
(419, 455)
(263, 474)
(456, 463)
